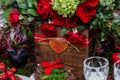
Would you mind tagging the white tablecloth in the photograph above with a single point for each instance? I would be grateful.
(24, 77)
(32, 77)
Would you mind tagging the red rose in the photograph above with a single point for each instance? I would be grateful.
(14, 18)
(58, 19)
(48, 29)
(70, 22)
(85, 13)
(92, 3)
(45, 9)
(76, 39)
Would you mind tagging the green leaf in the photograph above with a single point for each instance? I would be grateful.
(6, 2)
(22, 4)
(30, 19)
(102, 36)
(65, 31)
(118, 30)
(29, 3)
(6, 14)
(30, 33)
(35, 3)
(33, 12)
(25, 31)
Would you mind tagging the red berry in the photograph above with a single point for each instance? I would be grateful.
(3, 76)
(13, 69)
(2, 66)
(9, 73)
(13, 77)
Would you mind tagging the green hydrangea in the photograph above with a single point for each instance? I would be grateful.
(66, 8)
(109, 4)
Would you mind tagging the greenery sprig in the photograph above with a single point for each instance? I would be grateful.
(57, 74)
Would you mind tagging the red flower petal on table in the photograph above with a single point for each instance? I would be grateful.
(2, 66)
(45, 9)
(70, 22)
(58, 19)
(85, 13)
(92, 3)
(48, 71)
(49, 30)
(14, 18)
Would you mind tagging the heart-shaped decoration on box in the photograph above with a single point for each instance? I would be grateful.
(59, 45)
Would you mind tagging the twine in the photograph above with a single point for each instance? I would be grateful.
(42, 39)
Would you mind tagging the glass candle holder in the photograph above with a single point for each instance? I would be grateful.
(117, 70)
(96, 68)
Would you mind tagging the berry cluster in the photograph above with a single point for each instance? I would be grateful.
(7, 74)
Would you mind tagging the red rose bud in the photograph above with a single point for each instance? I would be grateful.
(2, 66)
(85, 13)
(49, 30)
(70, 22)
(74, 39)
(92, 3)
(14, 18)
(58, 19)
(44, 9)
(48, 71)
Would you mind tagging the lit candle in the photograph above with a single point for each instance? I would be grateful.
(116, 57)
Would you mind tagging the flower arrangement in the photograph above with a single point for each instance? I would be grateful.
(72, 16)
(63, 14)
